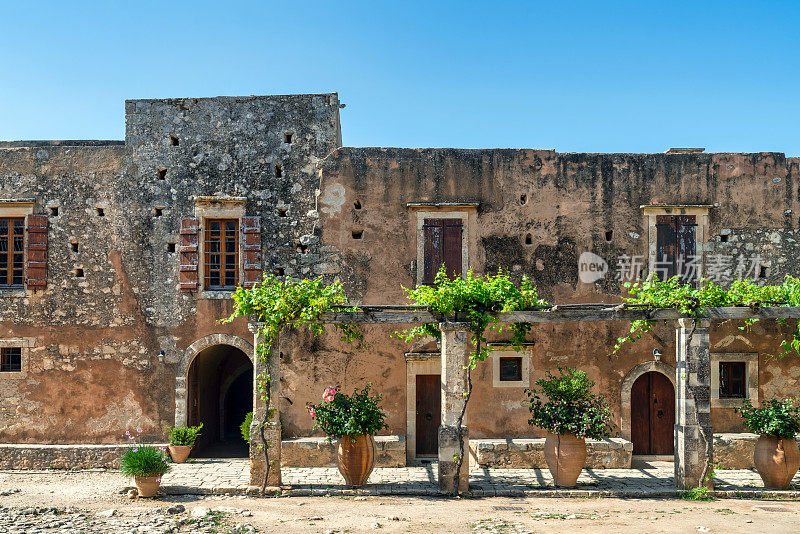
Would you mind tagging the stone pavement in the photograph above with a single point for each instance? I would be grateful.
(651, 479)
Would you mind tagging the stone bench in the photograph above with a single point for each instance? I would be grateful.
(318, 452)
(75, 456)
(527, 453)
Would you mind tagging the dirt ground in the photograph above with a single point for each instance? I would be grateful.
(98, 491)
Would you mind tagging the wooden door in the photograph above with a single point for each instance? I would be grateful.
(653, 414)
(429, 414)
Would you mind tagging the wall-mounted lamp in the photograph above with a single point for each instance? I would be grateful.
(656, 355)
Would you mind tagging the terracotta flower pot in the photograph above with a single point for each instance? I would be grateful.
(565, 455)
(147, 486)
(777, 460)
(179, 453)
(355, 457)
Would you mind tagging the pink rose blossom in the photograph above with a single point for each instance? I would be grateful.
(329, 394)
(311, 412)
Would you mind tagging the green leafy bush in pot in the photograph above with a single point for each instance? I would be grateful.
(777, 417)
(184, 435)
(571, 407)
(341, 415)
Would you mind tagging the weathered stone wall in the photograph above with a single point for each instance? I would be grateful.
(107, 346)
(390, 451)
(611, 453)
(62, 456)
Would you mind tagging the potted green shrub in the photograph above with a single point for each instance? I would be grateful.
(570, 414)
(352, 420)
(146, 464)
(181, 441)
(776, 455)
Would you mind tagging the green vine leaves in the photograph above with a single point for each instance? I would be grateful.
(291, 303)
(479, 300)
(675, 294)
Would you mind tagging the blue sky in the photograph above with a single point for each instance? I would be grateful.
(574, 76)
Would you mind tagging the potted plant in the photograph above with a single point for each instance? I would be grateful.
(181, 441)
(145, 463)
(570, 414)
(776, 455)
(352, 420)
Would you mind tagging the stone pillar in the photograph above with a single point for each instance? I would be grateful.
(694, 437)
(273, 428)
(455, 358)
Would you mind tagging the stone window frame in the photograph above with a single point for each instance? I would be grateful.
(465, 211)
(506, 351)
(751, 378)
(24, 343)
(700, 211)
(417, 363)
(18, 208)
(206, 208)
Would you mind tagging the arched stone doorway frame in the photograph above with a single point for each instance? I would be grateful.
(627, 386)
(188, 356)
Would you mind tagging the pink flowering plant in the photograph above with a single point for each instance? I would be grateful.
(142, 459)
(571, 407)
(342, 415)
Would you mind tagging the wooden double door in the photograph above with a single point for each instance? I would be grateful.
(653, 414)
(429, 414)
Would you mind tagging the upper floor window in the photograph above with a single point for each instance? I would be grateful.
(443, 247)
(675, 247)
(12, 251)
(221, 251)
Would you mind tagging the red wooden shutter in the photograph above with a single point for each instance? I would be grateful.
(37, 251)
(675, 246)
(188, 276)
(432, 251)
(452, 247)
(251, 242)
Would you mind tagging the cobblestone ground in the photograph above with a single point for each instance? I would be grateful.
(656, 478)
(167, 519)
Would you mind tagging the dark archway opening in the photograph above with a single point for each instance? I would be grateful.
(220, 395)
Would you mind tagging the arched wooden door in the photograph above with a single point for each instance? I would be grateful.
(653, 414)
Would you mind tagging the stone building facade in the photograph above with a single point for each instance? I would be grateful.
(122, 330)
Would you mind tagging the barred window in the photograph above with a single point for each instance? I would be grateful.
(10, 359)
(12, 255)
(221, 251)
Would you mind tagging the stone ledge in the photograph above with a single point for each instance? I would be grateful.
(74, 456)
(735, 451)
(318, 452)
(527, 453)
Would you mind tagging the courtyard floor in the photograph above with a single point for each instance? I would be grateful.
(650, 479)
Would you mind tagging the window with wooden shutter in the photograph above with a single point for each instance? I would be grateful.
(732, 382)
(11, 251)
(442, 246)
(251, 240)
(675, 247)
(37, 252)
(188, 276)
(221, 254)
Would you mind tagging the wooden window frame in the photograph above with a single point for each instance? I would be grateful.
(24, 345)
(11, 239)
(726, 387)
(701, 213)
(6, 354)
(518, 362)
(467, 215)
(750, 359)
(676, 242)
(502, 351)
(208, 253)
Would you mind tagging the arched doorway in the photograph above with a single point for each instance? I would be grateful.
(653, 414)
(219, 395)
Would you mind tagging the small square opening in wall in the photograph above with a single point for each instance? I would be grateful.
(287, 137)
(78, 272)
(723, 238)
(74, 246)
(100, 212)
(357, 205)
(282, 210)
(528, 239)
(609, 235)
(10, 360)
(158, 212)
(54, 211)
(358, 234)
(170, 247)
(279, 271)
(301, 248)
(523, 199)
(173, 140)
(278, 171)
(763, 271)
(511, 369)
(162, 173)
